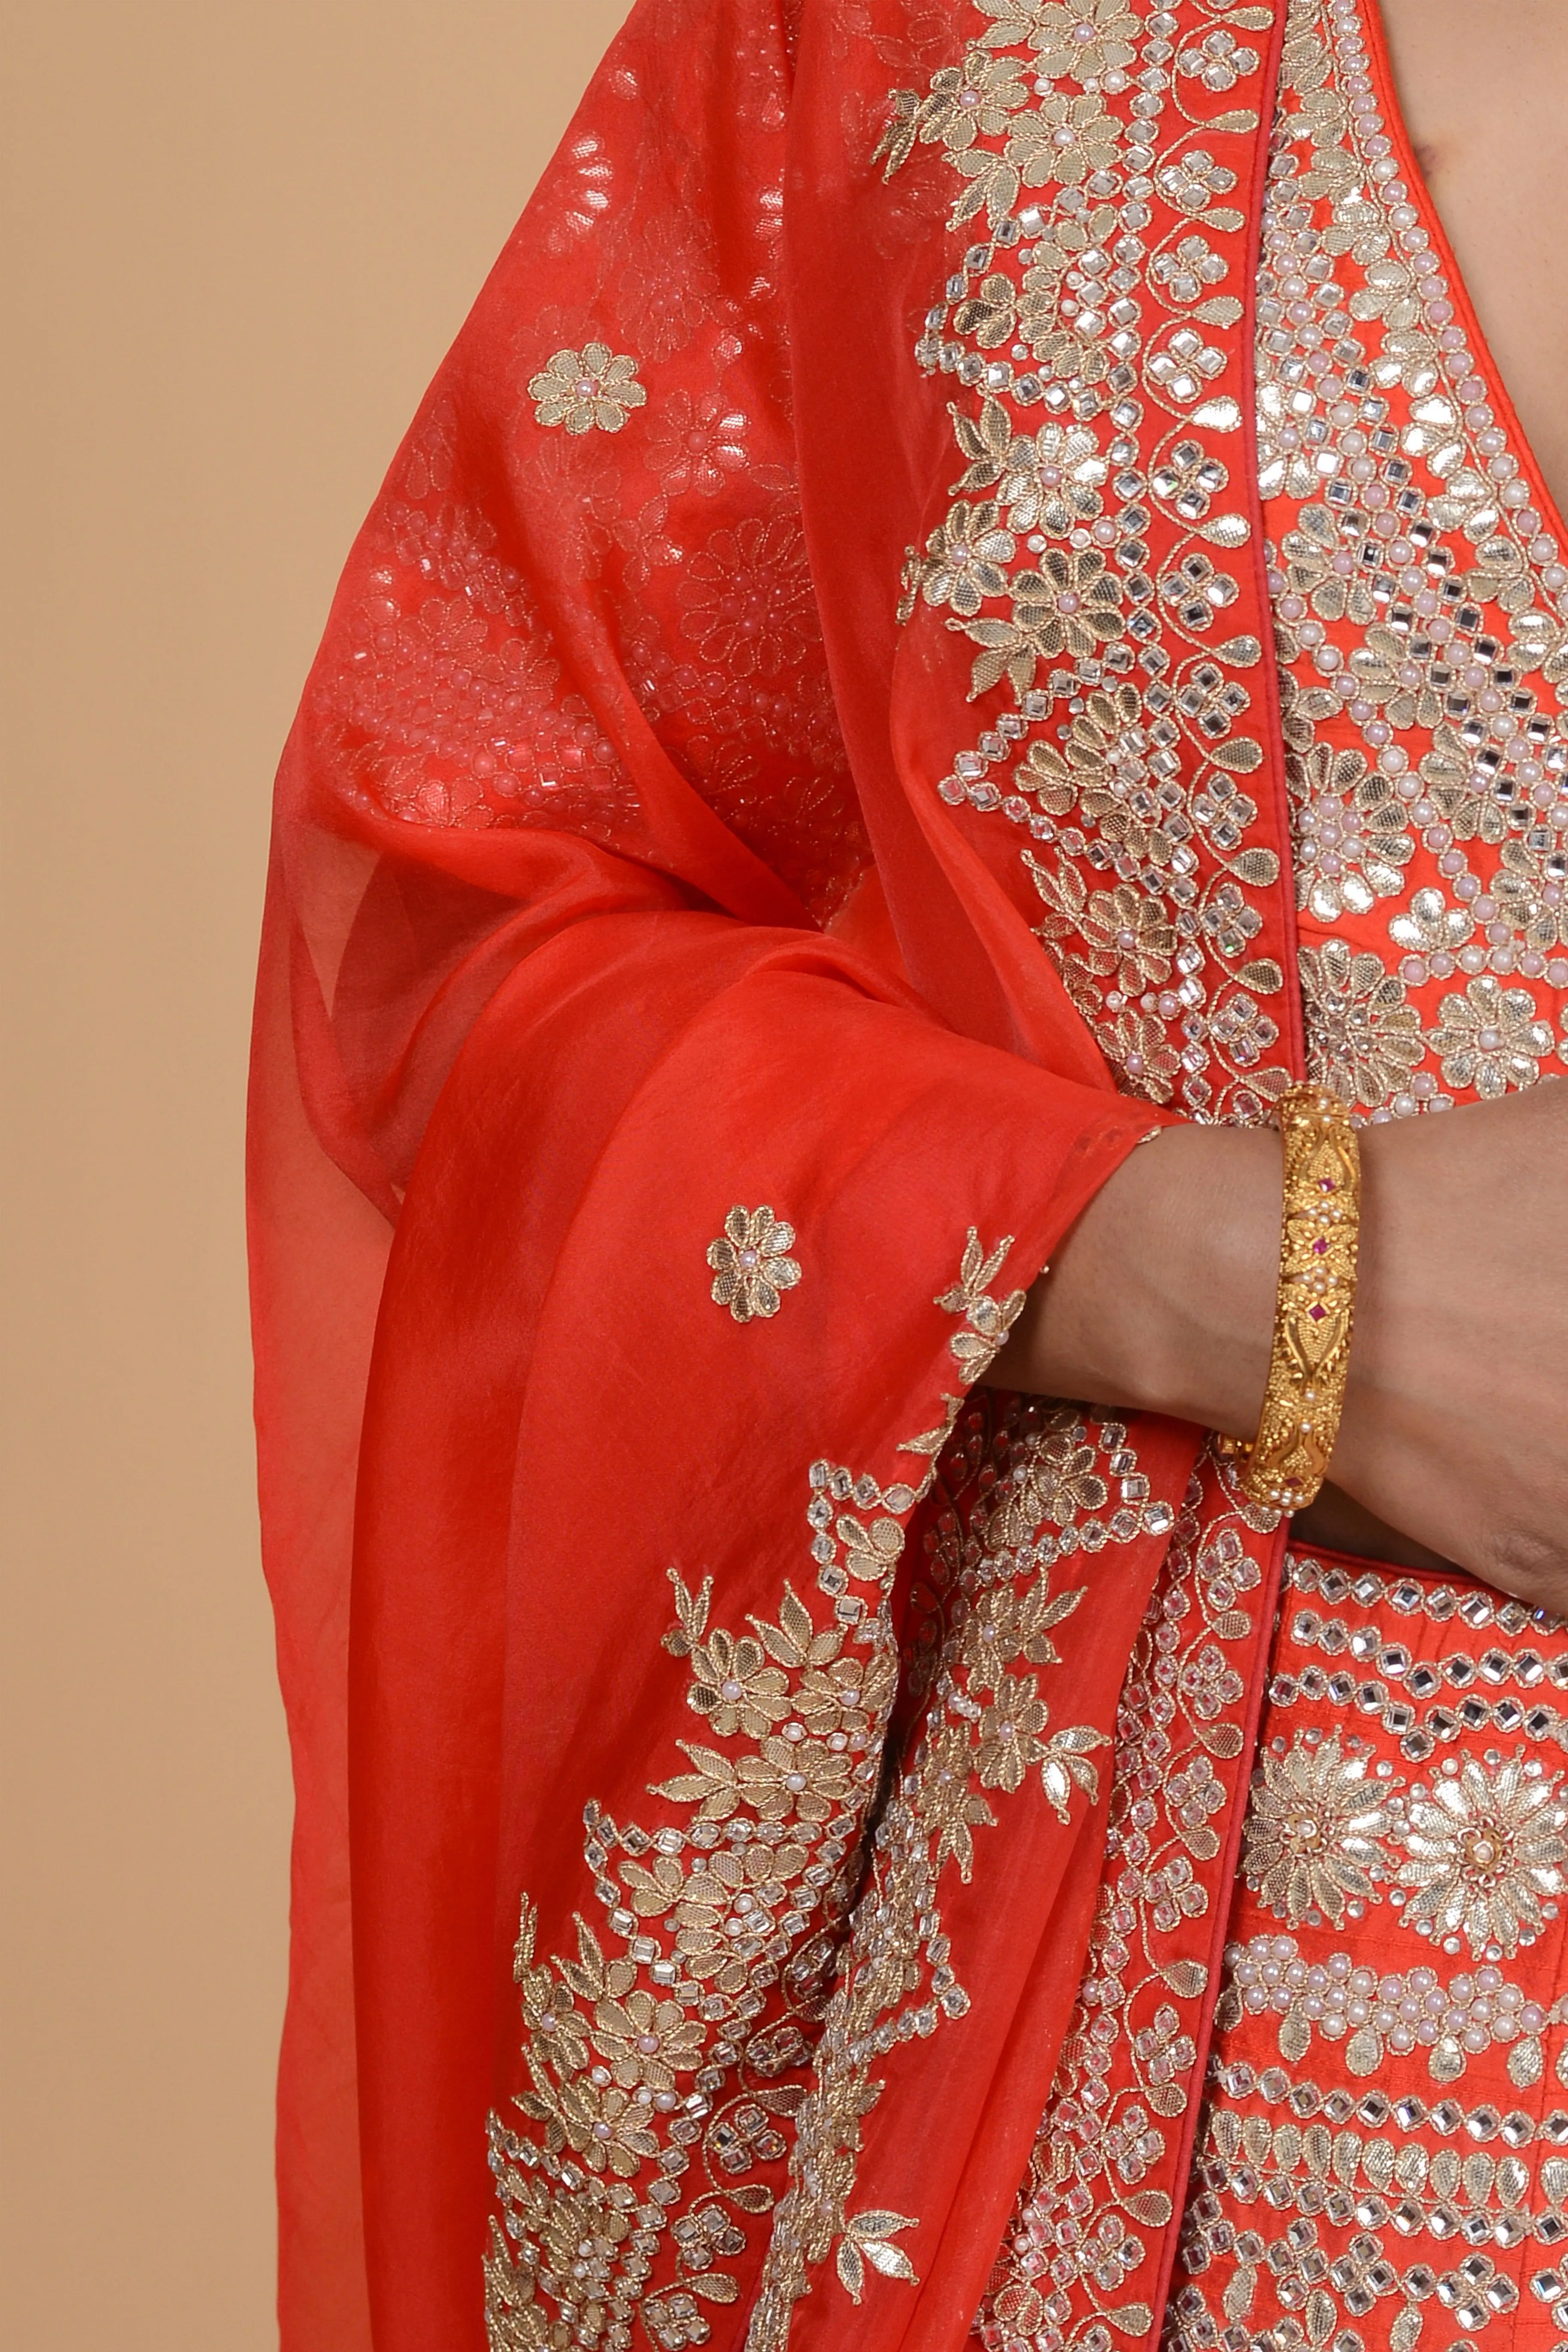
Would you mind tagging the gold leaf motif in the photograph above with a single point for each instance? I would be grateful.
(1524, 2063)
(1239, 2289)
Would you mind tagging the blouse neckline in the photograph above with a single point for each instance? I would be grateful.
(1468, 333)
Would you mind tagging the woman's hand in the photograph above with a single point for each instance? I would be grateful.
(1455, 1423)
(1454, 1444)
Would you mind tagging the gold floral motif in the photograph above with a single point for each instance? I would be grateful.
(1140, 1046)
(593, 389)
(1105, 771)
(1316, 573)
(1490, 1038)
(974, 101)
(1052, 480)
(1484, 1852)
(1010, 1730)
(1315, 1832)
(1064, 140)
(1428, 925)
(1351, 841)
(1381, 669)
(746, 597)
(1131, 935)
(752, 1265)
(966, 559)
(1073, 40)
(734, 1686)
(986, 1318)
(1363, 1037)
(644, 2041)
(1120, 933)
(1066, 607)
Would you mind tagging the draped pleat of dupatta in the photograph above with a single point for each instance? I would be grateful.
(788, 798)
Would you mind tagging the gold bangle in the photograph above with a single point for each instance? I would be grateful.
(1288, 1460)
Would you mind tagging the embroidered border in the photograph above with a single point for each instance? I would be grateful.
(754, 1960)
(1101, 2190)
(1096, 144)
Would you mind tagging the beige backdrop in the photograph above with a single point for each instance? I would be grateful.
(242, 233)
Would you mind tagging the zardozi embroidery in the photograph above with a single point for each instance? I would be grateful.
(725, 2014)
(1098, 149)
(752, 1265)
(594, 389)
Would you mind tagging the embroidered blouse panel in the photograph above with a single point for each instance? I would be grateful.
(1410, 1772)
(1381, 2156)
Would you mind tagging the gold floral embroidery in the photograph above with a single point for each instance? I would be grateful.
(1350, 837)
(1066, 607)
(1051, 480)
(1103, 2173)
(593, 389)
(1046, 558)
(1315, 1831)
(1485, 1849)
(750, 1263)
(1073, 40)
(1363, 1038)
(964, 559)
(675, 2062)
(1490, 1038)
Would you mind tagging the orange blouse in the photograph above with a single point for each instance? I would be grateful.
(1419, 598)
(1383, 2158)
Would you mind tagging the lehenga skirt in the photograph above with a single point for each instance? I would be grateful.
(1383, 2158)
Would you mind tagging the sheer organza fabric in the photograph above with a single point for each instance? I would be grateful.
(612, 893)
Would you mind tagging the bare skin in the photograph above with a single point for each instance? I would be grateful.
(1483, 86)
(1454, 1445)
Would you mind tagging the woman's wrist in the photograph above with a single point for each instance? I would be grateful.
(1161, 1296)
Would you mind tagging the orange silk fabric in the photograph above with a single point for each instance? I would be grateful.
(545, 994)
(792, 792)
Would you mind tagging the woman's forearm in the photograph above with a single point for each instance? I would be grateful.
(1161, 1296)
